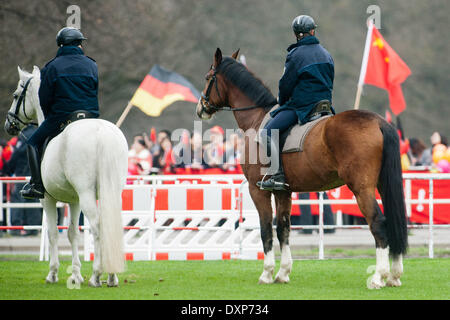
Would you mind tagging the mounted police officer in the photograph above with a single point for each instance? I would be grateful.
(305, 90)
(68, 91)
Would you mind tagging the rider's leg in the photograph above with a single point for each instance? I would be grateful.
(277, 180)
(35, 188)
(282, 121)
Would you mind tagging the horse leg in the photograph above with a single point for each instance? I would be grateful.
(88, 205)
(113, 280)
(377, 224)
(262, 200)
(73, 233)
(49, 205)
(393, 279)
(283, 205)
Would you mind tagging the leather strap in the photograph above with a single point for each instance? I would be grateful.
(75, 116)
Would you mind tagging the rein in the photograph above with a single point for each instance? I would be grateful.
(210, 106)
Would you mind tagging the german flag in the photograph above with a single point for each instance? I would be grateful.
(160, 88)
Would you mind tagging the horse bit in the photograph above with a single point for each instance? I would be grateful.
(13, 118)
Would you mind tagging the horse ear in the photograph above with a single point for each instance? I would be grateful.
(36, 71)
(235, 55)
(217, 57)
(21, 74)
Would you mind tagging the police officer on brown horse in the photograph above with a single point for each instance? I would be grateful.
(305, 90)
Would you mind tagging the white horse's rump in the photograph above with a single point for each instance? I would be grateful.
(88, 159)
(85, 163)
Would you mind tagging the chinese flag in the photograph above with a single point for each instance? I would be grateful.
(386, 70)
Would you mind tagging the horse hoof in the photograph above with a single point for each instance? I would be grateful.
(375, 283)
(95, 282)
(265, 280)
(113, 281)
(391, 282)
(283, 274)
(281, 279)
(51, 278)
(76, 279)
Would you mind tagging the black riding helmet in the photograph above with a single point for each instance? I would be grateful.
(303, 24)
(69, 35)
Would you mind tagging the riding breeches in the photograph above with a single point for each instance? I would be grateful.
(282, 121)
(49, 128)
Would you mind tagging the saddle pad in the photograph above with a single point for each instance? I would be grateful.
(297, 135)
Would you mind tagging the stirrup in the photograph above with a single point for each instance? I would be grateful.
(272, 185)
(32, 191)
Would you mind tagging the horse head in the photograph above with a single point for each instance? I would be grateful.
(214, 95)
(25, 105)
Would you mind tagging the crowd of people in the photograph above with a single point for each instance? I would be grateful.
(416, 155)
(14, 162)
(157, 153)
(187, 153)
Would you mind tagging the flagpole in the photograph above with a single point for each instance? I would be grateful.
(124, 114)
(358, 97)
(362, 73)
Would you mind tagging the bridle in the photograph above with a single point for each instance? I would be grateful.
(13, 117)
(209, 106)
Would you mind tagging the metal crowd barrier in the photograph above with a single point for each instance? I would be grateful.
(231, 178)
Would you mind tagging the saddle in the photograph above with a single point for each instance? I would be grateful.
(293, 138)
(74, 116)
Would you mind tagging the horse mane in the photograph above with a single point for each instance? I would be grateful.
(247, 82)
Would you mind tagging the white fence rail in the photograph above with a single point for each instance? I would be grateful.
(152, 234)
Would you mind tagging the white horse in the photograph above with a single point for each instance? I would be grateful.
(84, 163)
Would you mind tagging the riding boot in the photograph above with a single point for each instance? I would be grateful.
(35, 188)
(277, 181)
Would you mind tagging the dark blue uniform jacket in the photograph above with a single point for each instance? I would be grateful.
(307, 79)
(69, 83)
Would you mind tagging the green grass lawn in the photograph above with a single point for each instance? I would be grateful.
(340, 279)
(413, 252)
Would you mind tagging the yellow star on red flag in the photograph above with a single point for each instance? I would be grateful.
(378, 43)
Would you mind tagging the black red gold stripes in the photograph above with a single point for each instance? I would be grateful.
(160, 88)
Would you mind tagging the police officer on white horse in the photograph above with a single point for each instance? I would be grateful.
(68, 91)
(85, 163)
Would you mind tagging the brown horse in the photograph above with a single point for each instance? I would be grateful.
(356, 148)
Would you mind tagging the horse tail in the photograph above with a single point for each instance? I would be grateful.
(112, 171)
(390, 186)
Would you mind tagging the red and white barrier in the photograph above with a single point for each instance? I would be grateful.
(186, 218)
(213, 217)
